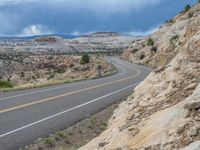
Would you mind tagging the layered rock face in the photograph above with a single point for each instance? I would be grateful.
(163, 113)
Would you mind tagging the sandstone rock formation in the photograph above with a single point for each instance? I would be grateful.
(169, 40)
(163, 113)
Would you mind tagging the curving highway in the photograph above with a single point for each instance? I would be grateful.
(30, 114)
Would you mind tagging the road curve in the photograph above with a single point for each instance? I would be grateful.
(30, 114)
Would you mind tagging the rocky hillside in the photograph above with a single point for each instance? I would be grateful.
(27, 70)
(163, 113)
(161, 47)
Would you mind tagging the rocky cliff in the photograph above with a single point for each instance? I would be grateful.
(163, 113)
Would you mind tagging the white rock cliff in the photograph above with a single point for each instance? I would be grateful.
(163, 113)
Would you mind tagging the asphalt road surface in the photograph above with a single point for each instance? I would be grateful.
(30, 114)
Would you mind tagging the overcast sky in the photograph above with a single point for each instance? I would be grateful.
(32, 17)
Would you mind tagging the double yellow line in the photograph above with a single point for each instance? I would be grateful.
(66, 94)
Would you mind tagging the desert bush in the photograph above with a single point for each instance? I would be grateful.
(175, 37)
(49, 142)
(169, 21)
(33, 77)
(61, 134)
(60, 70)
(92, 122)
(187, 8)
(5, 84)
(150, 42)
(22, 74)
(134, 50)
(103, 125)
(51, 76)
(50, 57)
(190, 15)
(142, 56)
(85, 59)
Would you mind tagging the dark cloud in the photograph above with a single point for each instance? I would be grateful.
(83, 16)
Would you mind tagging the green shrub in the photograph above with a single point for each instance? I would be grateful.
(169, 21)
(50, 57)
(92, 123)
(134, 50)
(5, 84)
(150, 42)
(60, 70)
(85, 59)
(175, 37)
(49, 142)
(187, 7)
(61, 134)
(190, 15)
(103, 125)
(51, 76)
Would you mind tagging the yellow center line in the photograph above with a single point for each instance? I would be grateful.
(66, 94)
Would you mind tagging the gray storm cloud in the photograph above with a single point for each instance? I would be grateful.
(95, 5)
(24, 17)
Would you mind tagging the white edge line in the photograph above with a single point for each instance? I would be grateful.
(52, 89)
(60, 113)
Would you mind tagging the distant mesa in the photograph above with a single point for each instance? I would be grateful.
(46, 39)
(102, 34)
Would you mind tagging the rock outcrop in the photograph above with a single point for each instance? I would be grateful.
(163, 113)
(169, 40)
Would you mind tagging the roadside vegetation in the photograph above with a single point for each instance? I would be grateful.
(77, 135)
(85, 59)
(5, 84)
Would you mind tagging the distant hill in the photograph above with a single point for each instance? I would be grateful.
(102, 34)
(19, 38)
(99, 41)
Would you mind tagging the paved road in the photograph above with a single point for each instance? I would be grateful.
(30, 114)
